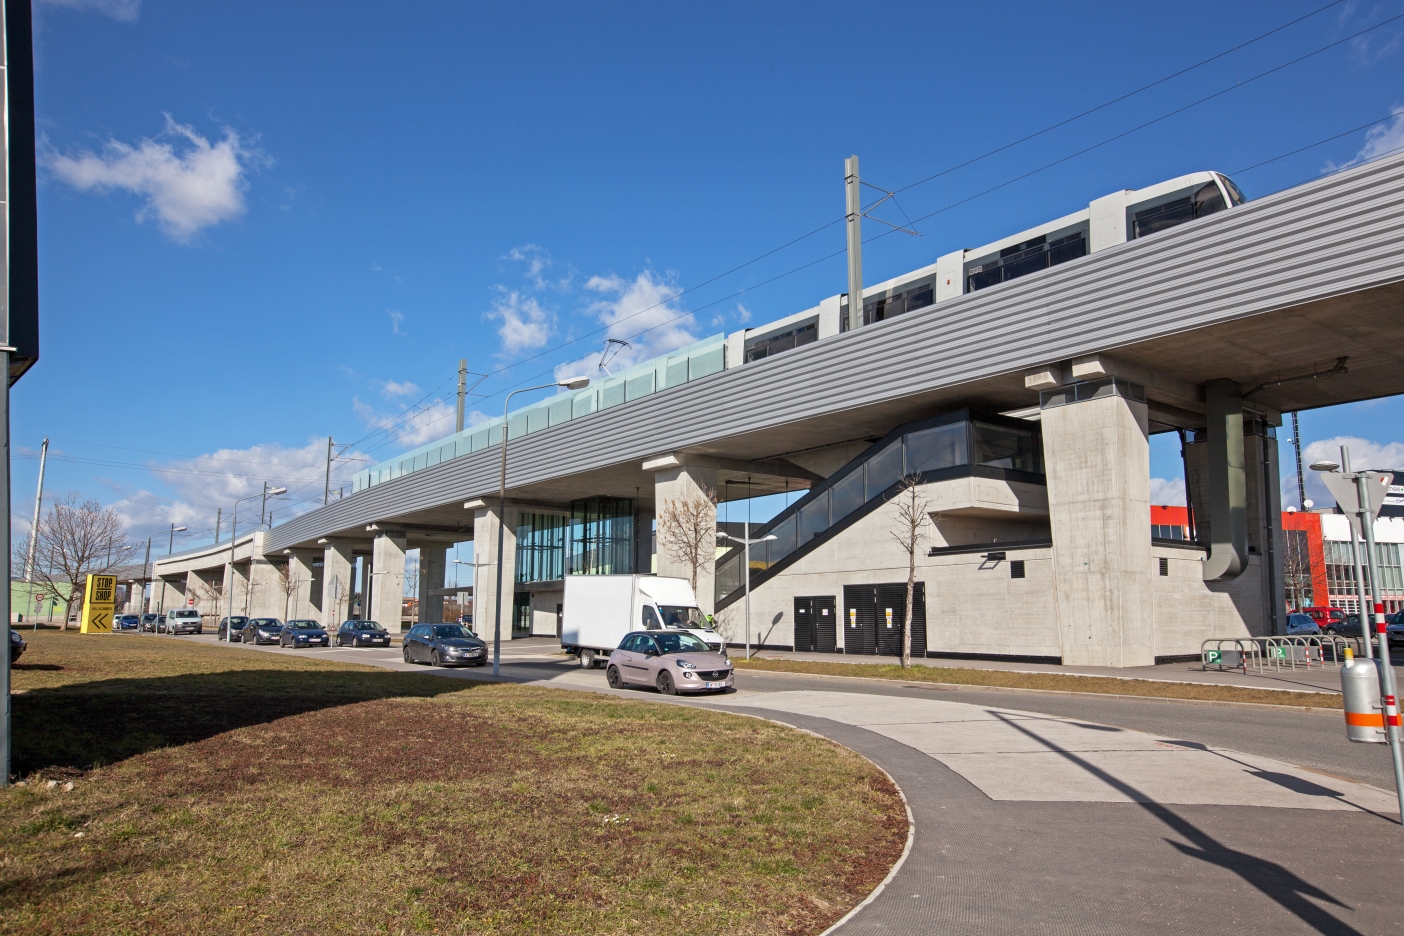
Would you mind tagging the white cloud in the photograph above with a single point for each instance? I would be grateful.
(124, 10)
(1364, 455)
(642, 310)
(1380, 140)
(743, 314)
(539, 261)
(212, 482)
(1167, 492)
(188, 183)
(396, 388)
(525, 324)
(424, 423)
(397, 319)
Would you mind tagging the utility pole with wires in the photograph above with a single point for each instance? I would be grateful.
(332, 455)
(34, 527)
(462, 391)
(219, 519)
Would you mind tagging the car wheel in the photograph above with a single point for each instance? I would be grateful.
(1331, 631)
(405, 653)
(587, 659)
(434, 659)
(613, 678)
(665, 683)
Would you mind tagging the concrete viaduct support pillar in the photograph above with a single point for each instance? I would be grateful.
(485, 525)
(388, 585)
(266, 595)
(686, 487)
(431, 578)
(1097, 457)
(337, 584)
(300, 594)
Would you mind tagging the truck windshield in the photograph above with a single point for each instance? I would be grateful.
(681, 616)
(679, 643)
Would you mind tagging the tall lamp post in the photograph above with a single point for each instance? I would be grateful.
(745, 540)
(474, 565)
(234, 538)
(1366, 516)
(146, 564)
(570, 383)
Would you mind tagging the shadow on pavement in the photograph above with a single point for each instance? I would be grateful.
(1271, 879)
(86, 725)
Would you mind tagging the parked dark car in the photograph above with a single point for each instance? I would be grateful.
(149, 622)
(362, 634)
(125, 622)
(262, 631)
(17, 645)
(1394, 627)
(303, 634)
(239, 622)
(1346, 626)
(444, 645)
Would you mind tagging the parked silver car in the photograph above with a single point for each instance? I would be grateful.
(670, 661)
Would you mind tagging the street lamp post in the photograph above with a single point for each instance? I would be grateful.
(145, 580)
(570, 383)
(745, 540)
(1368, 622)
(234, 538)
(474, 565)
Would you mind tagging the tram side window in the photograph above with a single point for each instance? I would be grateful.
(1206, 201)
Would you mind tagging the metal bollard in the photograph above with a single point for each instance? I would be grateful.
(1360, 687)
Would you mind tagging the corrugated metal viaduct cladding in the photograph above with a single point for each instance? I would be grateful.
(1327, 238)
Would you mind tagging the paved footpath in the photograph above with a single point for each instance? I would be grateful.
(1028, 820)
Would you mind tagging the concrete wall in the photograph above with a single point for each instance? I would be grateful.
(301, 581)
(485, 531)
(337, 584)
(1097, 458)
(972, 606)
(388, 586)
(677, 484)
(431, 576)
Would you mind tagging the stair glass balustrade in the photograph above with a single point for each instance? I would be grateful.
(952, 445)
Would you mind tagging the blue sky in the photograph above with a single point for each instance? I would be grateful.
(262, 224)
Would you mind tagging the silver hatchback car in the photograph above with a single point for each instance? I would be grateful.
(670, 661)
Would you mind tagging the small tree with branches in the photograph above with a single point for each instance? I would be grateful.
(909, 530)
(77, 539)
(687, 531)
(1296, 568)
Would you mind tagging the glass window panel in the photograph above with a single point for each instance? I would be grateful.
(584, 404)
(1002, 447)
(884, 469)
(703, 363)
(729, 575)
(781, 546)
(814, 518)
(933, 449)
(846, 495)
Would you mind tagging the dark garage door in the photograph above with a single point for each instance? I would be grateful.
(815, 629)
(873, 617)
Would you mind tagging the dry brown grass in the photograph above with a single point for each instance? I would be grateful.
(1048, 682)
(432, 805)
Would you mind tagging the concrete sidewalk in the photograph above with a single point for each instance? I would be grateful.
(1302, 679)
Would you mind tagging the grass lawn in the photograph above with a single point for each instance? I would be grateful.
(242, 792)
(1051, 682)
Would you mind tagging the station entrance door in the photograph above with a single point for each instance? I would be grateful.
(816, 629)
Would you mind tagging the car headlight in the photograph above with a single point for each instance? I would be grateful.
(683, 664)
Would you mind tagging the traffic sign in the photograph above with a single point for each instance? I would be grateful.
(1347, 496)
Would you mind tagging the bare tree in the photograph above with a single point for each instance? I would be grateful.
(909, 530)
(1296, 568)
(687, 531)
(288, 585)
(78, 539)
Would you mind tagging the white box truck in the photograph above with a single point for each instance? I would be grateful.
(600, 609)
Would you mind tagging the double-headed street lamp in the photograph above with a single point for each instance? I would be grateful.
(234, 538)
(570, 383)
(745, 540)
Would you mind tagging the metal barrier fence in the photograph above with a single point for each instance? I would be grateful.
(1240, 653)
